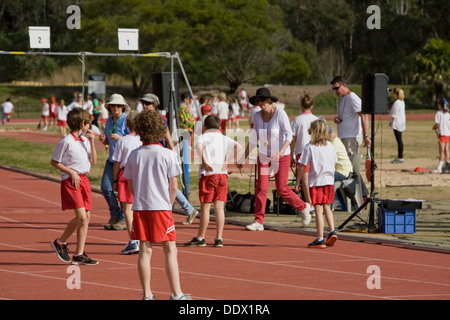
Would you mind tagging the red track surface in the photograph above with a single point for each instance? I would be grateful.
(264, 265)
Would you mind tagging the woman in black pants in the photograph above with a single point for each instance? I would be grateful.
(398, 122)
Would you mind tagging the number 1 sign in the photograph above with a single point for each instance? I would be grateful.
(39, 37)
(128, 39)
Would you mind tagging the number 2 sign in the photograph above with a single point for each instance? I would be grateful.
(39, 37)
(128, 39)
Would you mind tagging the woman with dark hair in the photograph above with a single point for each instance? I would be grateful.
(272, 131)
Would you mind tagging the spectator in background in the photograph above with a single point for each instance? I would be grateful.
(398, 122)
(7, 110)
(115, 129)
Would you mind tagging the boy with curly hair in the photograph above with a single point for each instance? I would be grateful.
(152, 172)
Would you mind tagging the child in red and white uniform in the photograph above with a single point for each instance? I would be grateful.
(300, 138)
(321, 156)
(442, 127)
(53, 106)
(122, 151)
(222, 111)
(152, 171)
(61, 115)
(73, 156)
(212, 147)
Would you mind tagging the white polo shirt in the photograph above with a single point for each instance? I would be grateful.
(300, 127)
(74, 153)
(443, 118)
(150, 167)
(216, 147)
(124, 147)
(322, 161)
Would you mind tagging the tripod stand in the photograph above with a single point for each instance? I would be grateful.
(371, 199)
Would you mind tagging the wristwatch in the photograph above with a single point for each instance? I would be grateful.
(365, 136)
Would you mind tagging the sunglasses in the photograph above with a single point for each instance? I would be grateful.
(146, 103)
(336, 88)
(115, 106)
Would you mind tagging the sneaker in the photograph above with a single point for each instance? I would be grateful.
(83, 260)
(397, 160)
(255, 226)
(305, 214)
(132, 247)
(331, 239)
(109, 224)
(195, 242)
(150, 298)
(183, 297)
(62, 252)
(436, 171)
(119, 225)
(218, 243)
(318, 244)
(191, 216)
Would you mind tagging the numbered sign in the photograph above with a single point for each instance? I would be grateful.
(39, 37)
(128, 39)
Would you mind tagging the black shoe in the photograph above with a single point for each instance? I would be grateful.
(218, 243)
(62, 252)
(331, 239)
(83, 260)
(318, 244)
(195, 243)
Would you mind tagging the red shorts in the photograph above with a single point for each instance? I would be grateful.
(44, 117)
(223, 124)
(322, 194)
(61, 123)
(213, 187)
(298, 164)
(444, 139)
(153, 226)
(123, 189)
(72, 198)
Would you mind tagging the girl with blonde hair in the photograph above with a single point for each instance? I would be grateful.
(321, 157)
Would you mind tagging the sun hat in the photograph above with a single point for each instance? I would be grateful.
(151, 98)
(117, 99)
(262, 93)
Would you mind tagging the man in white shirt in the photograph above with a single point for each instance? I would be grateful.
(350, 118)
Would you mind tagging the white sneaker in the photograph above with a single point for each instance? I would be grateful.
(436, 171)
(255, 226)
(306, 216)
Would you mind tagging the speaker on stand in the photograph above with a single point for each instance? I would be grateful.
(374, 101)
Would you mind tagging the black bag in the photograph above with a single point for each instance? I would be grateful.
(349, 185)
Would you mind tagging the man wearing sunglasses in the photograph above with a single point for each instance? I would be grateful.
(350, 119)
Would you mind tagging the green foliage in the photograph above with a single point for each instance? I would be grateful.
(434, 63)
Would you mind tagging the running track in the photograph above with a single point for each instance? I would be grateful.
(266, 265)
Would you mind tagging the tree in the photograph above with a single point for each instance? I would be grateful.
(434, 64)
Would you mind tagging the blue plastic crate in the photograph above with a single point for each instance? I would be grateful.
(397, 221)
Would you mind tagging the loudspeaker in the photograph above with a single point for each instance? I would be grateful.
(374, 93)
(161, 87)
